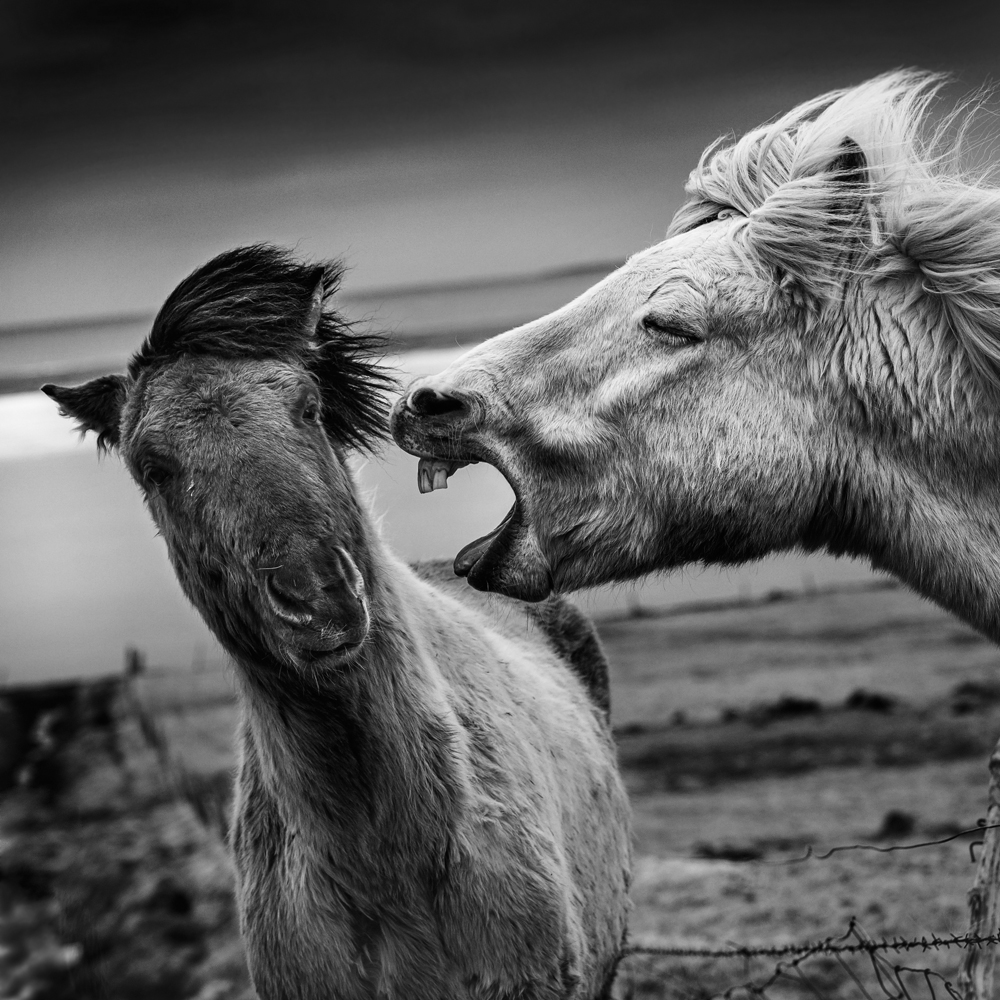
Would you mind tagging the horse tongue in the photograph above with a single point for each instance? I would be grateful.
(471, 553)
(474, 551)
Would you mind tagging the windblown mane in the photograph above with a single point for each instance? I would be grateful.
(254, 302)
(860, 183)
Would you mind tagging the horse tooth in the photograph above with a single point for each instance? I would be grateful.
(424, 482)
(433, 473)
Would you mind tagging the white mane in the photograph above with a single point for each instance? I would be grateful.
(858, 183)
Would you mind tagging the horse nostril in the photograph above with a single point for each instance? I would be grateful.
(288, 595)
(294, 583)
(432, 403)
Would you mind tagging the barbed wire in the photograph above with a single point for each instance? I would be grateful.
(810, 855)
(828, 946)
(887, 976)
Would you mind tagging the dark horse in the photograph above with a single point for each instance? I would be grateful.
(428, 804)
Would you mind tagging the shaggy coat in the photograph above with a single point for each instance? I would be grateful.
(428, 804)
(810, 360)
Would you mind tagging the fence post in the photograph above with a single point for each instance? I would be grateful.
(975, 981)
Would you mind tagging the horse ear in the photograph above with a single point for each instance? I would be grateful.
(795, 291)
(850, 165)
(97, 405)
(850, 187)
(315, 305)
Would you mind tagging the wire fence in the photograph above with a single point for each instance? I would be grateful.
(890, 979)
(884, 978)
(828, 946)
(871, 975)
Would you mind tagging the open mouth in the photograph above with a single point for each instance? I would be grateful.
(434, 473)
(477, 559)
(473, 553)
(509, 559)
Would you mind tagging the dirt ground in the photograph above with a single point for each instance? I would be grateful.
(111, 884)
(114, 881)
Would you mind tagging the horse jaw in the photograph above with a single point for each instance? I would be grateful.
(508, 560)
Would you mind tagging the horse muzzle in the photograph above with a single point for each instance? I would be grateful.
(319, 604)
(446, 428)
(438, 422)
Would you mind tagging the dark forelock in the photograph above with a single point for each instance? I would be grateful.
(253, 303)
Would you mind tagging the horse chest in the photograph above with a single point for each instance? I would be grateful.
(308, 938)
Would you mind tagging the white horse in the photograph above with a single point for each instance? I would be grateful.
(810, 360)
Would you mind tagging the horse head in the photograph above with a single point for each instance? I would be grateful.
(235, 418)
(807, 340)
(613, 423)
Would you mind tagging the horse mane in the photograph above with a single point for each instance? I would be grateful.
(867, 182)
(255, 302)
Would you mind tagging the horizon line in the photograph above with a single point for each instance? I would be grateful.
(362, 295)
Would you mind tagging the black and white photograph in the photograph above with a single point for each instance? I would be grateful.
(499, 501)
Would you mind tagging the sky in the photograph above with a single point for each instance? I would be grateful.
(422, 143)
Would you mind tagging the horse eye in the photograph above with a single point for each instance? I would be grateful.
(727, 213)
(156, 475)
(672, 333)
(310, 412)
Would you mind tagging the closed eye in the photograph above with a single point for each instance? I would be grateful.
(714, 214)
(670, 332)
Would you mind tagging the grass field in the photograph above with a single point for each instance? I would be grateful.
(822, 646)
(688, 891)
(744, 742)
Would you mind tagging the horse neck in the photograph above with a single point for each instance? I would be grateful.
(917, 489)
(943, 539)
(919, 494)
(364, 756)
